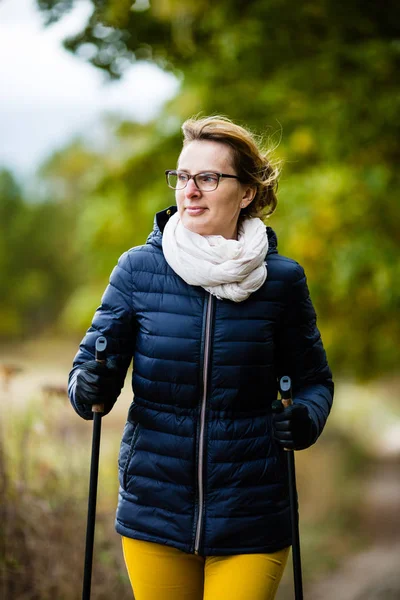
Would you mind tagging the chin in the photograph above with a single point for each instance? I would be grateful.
(193, 224)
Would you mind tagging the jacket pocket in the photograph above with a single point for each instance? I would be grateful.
(134, 438)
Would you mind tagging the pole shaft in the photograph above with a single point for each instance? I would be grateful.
(294, 517)
(91, 520)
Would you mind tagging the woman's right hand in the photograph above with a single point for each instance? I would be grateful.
(97, 383)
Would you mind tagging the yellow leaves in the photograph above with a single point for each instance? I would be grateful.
(10, 321)
(171, 9)
(365, 297)
(327, 218)
(301, 243)
(117, 13)
(302, 141)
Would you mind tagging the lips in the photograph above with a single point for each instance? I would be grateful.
(195, 210)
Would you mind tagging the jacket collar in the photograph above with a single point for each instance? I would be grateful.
(161, 219)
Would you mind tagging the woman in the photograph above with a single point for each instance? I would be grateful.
(213, 316)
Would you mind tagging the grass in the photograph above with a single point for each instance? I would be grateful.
(44, 474)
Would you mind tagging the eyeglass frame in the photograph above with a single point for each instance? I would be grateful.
(220, 176)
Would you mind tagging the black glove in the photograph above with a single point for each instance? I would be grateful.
(293, 426)
(97, 383)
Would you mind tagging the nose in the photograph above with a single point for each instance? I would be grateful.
(191, 189)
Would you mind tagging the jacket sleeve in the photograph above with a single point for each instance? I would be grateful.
(115, 320)
(301, 355)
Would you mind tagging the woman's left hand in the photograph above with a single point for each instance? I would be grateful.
(293, 427)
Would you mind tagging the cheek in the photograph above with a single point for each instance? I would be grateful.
(179, 199)
(227, 205)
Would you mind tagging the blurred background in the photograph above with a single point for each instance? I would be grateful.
(93, 96)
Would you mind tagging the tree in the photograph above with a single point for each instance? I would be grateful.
(35, 276)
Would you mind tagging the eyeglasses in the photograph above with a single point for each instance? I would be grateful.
(207, 181)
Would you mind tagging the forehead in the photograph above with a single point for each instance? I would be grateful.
(206, 155)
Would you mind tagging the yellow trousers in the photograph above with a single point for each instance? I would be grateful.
(159, 572)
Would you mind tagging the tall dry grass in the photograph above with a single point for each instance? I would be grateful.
(44, 473)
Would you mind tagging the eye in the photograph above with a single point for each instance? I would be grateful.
(208, 177)
(182, 177)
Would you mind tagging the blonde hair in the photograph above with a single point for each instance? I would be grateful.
(251, 163)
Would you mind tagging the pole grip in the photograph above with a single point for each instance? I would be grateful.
(285, 386)
(100, 348)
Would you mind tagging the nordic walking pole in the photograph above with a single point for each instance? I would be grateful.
(98, 409)
(285, 386)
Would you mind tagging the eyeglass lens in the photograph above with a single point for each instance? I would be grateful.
(204, 181)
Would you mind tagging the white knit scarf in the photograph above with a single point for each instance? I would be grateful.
(231, 269)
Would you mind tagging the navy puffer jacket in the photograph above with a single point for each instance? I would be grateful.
(199, 469)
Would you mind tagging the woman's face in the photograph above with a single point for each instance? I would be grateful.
(216, 212)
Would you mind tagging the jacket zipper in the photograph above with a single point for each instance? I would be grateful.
(207, 345)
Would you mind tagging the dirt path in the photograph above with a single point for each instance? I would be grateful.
(375, 573)
(371, 575)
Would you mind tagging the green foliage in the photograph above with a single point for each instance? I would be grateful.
(331, 223)
(36, 269)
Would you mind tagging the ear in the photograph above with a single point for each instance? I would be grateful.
(248, 195)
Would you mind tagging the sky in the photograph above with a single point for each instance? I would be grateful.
(47, 95)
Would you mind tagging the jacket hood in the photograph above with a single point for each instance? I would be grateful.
(161, 219)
